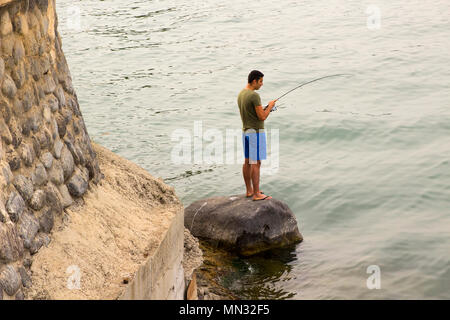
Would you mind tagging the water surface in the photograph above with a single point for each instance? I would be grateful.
(363, 162)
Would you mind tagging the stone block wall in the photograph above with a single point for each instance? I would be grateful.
(46, 158)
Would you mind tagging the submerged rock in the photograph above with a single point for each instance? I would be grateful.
(241, 224)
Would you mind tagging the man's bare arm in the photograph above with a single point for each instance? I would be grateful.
(264, 113)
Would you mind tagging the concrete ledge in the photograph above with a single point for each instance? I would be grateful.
(161, 277)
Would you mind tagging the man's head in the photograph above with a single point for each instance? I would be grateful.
(255, 79)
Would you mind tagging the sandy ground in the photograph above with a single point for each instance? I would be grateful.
(102, 241)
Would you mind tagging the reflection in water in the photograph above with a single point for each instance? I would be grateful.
(259, 276)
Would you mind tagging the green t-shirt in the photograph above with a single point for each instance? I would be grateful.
(247, 101)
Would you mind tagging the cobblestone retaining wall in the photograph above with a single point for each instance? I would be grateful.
(46, 158)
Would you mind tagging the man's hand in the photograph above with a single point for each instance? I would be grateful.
(263, 113)
(272, 104)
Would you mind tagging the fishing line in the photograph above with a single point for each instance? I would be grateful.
(305, 83)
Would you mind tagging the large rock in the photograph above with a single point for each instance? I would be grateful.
(28, 227)
(67, 163)
(77, 185)
(9, 88)
(241, 224)
(53, 198)
(3, 212)
(11, 246)
(47, 160)
(24, 186)
(38, 200)
(10, 280)
(27, 155)
(41, 240)
(15, 206)
(4, 132)
(66, 199)
(39, 176)
(26, 279)
(56, 173)
(46, 221)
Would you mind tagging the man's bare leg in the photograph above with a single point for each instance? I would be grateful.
(247, 173)
(257, 194)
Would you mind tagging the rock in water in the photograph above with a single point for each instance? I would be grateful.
(241, 224)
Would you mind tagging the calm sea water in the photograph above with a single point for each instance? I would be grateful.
(363, 161)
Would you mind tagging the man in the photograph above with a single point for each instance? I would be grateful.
(253, 136)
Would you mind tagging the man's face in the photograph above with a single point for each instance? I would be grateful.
(258, 83)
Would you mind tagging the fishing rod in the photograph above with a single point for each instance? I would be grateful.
(305, 83)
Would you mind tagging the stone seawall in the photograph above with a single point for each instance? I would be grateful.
(124, 242)
(46, 157)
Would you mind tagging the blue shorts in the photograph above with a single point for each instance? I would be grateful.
(254, 144)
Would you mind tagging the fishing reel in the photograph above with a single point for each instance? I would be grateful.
(273, 109)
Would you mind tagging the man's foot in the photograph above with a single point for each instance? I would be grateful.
(250, 194)
(261, 196)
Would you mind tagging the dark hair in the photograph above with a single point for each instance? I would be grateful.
(255, 75)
